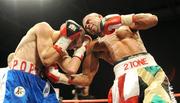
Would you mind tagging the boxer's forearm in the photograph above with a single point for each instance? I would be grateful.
(80, 79)
(70, 65)
(144, 21)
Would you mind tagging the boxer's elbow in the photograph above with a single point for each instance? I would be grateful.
(151, 20)
(154, 19)
(41, 27)
(41, 24)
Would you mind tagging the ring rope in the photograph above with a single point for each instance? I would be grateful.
(85, 101)
(97, 100)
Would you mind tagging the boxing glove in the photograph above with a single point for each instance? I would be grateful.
(111, 22)
(55, 76)
(69, 31)
(52, 73)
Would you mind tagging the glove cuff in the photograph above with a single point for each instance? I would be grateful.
(127, 19)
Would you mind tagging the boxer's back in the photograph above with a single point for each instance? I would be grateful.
(27, 48)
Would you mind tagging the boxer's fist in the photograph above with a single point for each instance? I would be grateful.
(70, 32)
(55, 76)
(71, 29)
(109, 23)
(52, 73)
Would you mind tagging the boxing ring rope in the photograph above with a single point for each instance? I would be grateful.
(97, 100)
(86, 101)
(177, 94)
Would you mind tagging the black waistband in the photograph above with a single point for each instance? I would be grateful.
(129, 57)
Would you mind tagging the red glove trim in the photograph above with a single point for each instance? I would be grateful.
(58, 49)
(52, 77)
(78, 57)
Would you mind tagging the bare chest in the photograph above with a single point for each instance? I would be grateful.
(105, 47)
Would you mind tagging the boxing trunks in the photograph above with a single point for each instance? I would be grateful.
(20, 84)
(138, 79)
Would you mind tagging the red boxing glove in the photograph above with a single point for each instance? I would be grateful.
(55, 76)
(69, 31)
(52, 73)
(111, 22)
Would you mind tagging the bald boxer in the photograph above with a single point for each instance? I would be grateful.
(138, 78)
(22, 81)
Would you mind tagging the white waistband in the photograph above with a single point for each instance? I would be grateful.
(138, 61)
(23, 65)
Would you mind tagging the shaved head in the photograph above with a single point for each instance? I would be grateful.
(91, 15)
(91, 23)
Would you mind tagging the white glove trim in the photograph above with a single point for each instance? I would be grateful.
(127, 19)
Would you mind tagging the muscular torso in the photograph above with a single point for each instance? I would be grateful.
(123, 42)
(27, 49)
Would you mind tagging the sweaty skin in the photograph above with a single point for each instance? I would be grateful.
(138, 78)
(37, 47)
(36, 59)
(125, 41)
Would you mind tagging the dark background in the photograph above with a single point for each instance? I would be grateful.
(162, 41)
